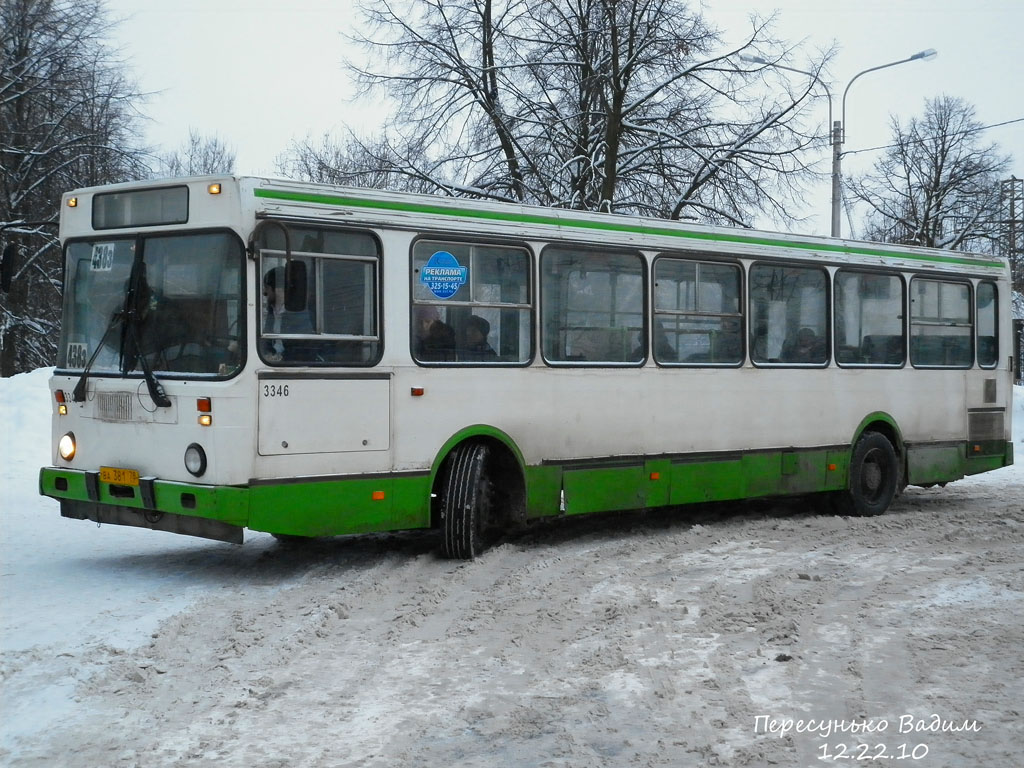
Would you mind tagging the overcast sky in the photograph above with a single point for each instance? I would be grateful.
(260, 73)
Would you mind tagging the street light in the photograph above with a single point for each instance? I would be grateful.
(839, 126)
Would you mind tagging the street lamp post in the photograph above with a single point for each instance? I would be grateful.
(838, 127)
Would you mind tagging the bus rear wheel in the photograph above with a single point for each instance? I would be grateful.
(466, 502)
(874, 477)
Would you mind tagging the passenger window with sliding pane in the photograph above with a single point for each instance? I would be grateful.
(940, 324)
(471, 304)
(988, 338)
(332, 317)
(697, 317)
(593, 307)
(788, 315)
(869, 319)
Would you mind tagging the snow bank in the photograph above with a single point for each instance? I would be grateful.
(71, 594)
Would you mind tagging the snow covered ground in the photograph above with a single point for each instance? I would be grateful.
(741, 636)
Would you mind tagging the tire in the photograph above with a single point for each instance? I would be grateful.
(465, 502)
(874, 477)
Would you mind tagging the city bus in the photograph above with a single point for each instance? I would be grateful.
(310, 361)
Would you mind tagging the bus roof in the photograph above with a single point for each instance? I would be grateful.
(296, 199)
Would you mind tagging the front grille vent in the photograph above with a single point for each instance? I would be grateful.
(114, 406)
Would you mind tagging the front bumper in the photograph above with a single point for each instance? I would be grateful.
(212, 512)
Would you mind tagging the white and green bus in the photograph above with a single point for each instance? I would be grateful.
(311, 361)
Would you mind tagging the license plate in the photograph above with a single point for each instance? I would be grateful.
(119, 476)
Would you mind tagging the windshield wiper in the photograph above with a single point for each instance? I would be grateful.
(156, 390)
(128, 318)
(139, 293)
(78, 395)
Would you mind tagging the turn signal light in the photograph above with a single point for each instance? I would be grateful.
(204, 405)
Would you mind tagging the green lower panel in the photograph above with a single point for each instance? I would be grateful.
(394, 502)
(985, 463)
(768, 473)
(335, 507)
(936, 463)
(604, 489)
(695, 482)
(543, 491)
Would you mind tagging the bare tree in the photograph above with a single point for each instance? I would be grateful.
(67, 119)
(200, 155)
(350, 161)
(938, 183)
(617, 105)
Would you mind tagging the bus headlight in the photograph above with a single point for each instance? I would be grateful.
(66, 447)
(195, 459)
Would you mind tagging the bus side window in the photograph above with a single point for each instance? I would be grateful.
(788, 315)
(940, 324)
(593, 306)
(869, 312)
(697, 318)
(471, 304)
(338, 322)
(987, 319)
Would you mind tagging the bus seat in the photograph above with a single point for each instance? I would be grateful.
(926, 350)
(957, 350)
(882, 349)
(848, 354)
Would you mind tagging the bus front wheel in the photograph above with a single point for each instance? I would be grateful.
(466, 502)
(874, 477)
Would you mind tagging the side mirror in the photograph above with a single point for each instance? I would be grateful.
(295, 286)
(7, 267)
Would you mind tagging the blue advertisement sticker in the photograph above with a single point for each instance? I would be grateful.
(443, 276)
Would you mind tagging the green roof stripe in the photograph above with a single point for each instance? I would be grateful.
(612, 226)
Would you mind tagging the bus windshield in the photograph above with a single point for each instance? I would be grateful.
(172, 301)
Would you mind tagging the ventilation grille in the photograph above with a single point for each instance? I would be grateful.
(985, 425)
(114, 406)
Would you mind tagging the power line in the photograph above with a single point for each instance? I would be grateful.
(922, 141)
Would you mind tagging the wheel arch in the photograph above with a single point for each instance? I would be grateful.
(506, 462)
(886, 425)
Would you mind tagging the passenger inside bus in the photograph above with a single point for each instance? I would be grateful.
(474, 346)
(807, 347)
(434, 338)
(277, 319)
